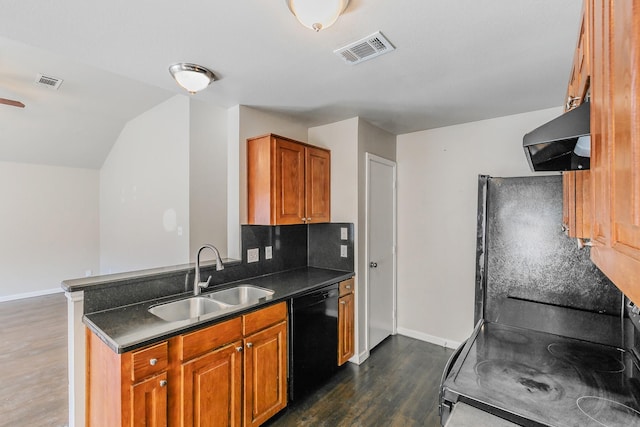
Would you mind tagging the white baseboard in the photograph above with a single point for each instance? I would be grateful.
(443, 342)
(359, 358)
(13, 297)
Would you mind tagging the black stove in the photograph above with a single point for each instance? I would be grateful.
(536, 378)
(555, 343)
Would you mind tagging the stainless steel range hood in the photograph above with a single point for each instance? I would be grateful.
(561, 144)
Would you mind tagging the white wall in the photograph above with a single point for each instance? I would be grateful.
(144, 192)
(437, 204)
(208, 178)
(49, 227)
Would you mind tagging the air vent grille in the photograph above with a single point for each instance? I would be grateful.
(48, 81)
(369, 47)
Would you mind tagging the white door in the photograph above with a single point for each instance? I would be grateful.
(381, 235)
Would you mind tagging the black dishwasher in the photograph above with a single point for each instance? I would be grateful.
(313, 348)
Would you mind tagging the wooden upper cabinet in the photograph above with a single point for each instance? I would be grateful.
(576, 213)
(288, 182)
(318, 185)
(616, 146)
(581, 71)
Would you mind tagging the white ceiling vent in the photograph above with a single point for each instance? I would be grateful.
(369, 47)
(48, 81)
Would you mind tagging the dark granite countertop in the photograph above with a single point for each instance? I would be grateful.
(129, 327)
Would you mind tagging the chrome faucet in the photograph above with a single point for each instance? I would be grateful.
(197, 284)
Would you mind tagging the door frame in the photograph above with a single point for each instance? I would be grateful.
(369, 157)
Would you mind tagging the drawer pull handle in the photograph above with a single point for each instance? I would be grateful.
(163, 383)
(238, 349)
(348, 286)
(343, 302)
(249, 345)
(153, 362)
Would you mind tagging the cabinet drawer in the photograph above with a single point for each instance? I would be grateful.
(260, 319)
(346, 286)
(199, 342)
(149, 361)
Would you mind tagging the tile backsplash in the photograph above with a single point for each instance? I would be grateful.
(294, 246)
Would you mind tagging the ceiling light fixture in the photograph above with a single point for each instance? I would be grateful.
(317, 14)
(191, 77)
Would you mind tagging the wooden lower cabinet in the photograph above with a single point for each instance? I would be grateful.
(230, 374)
(127, 389)
(265, 374)
(346, 321)
(149, 402)
(212, 388)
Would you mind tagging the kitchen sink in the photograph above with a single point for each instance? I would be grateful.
(187, 308)
(241, 295)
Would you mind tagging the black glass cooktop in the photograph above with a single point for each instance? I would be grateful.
(537, 378)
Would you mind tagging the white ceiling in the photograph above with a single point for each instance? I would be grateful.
(455, 61)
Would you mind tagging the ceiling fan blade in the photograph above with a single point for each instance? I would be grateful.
(11, 102)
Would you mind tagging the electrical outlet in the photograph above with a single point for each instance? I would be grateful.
(253, 255)
(344, 235)
(343, 251)
(268, 252)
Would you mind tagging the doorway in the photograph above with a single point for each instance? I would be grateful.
(380, 249)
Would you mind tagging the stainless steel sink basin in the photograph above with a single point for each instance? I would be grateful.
(241, 295)
(187, 308)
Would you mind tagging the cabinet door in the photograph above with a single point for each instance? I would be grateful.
(346, 312)
(617, 253)
(149, 402)
(289, 182)
(318, 185)
(265, 374)
(576, 185)
(212, 388)
(600, 129)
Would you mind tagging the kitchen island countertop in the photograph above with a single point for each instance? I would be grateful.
(129, 327)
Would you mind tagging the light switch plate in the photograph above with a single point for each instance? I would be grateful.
(344, 235)
(253, 255)
(343, 251)
(268, 252)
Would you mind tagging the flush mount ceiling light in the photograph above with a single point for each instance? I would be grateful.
(317, 14)
(192, 77)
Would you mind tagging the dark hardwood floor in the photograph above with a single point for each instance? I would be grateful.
(396, 386)
(33, 362)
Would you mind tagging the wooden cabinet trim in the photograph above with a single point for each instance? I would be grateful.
(149, 361)
(204, 340)
(264, 317)
(347, 286)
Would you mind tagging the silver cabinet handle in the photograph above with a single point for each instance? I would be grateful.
(373, 264)
(163, 383)
(153, 362)
(348, 286)
(343, 302)
(249, 345)
(238, 349)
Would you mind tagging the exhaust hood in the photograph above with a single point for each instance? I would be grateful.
(562, 144)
